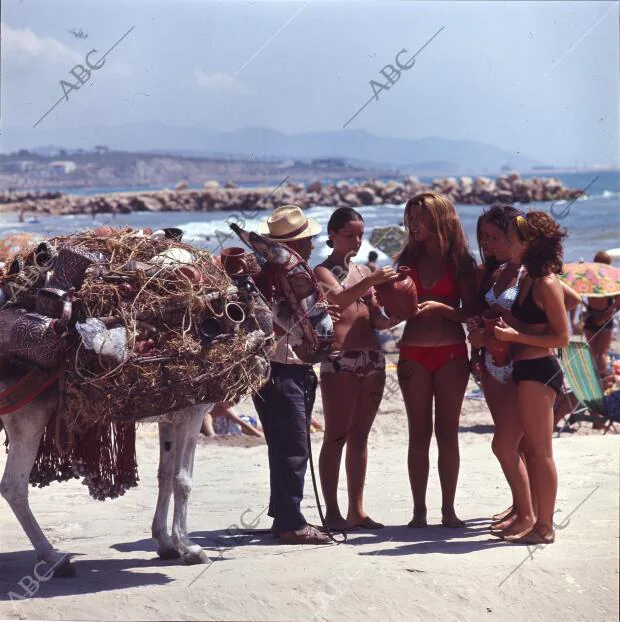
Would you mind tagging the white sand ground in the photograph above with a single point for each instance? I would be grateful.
(392, 574)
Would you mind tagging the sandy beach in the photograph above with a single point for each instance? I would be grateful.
(393, 574)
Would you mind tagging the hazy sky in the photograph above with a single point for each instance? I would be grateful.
(539, 78)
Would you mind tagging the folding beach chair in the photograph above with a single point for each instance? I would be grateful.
(582, 380)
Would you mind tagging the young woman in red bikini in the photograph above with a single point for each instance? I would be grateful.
(433, 361)
(352, 380)
(537, 325)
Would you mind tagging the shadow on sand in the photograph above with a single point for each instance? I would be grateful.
(92, 575)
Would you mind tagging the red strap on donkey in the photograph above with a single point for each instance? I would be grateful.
(26, 390)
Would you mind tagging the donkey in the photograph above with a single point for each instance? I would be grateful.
(178, 435)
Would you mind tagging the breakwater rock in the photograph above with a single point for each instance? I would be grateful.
(214, 197)
(17, 196)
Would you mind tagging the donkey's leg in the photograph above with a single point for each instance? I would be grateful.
(187, 424)
(165, 548)
(25, 429)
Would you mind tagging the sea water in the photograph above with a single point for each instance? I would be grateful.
(592, 222)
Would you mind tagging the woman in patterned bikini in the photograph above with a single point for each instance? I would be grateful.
(352, 380)
(433, 361)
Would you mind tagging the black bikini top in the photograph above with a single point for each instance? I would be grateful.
(529, 312)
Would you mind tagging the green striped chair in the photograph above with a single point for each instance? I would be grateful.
(581, 377)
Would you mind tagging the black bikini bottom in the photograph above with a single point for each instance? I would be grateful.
(545, 370)
(591, 326)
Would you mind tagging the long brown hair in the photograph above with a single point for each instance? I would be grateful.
(543, 237)
(447, 228)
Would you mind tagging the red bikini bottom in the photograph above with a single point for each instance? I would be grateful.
(433, 358)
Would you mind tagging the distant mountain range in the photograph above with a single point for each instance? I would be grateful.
(358, 147)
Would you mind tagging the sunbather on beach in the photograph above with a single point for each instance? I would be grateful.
(598, 322)
(352, 380)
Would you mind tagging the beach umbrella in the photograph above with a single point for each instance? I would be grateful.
(594, 280)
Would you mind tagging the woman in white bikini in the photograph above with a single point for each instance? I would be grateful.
(499, 284)
(352, 380)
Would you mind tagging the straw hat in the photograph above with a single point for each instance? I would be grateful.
(289, 223)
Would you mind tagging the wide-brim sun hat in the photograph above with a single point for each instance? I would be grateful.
(288, 223)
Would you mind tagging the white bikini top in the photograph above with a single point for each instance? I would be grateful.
(507, 297)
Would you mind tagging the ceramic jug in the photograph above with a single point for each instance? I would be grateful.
(400, 297)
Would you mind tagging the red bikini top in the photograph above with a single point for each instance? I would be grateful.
(445, 287)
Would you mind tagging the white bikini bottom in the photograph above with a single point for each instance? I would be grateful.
(501, 373)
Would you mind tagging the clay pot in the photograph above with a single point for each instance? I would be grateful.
(399, 297)
(104, 231)
(189, 272)
(499, 350)
(209, 330)
(234, 260)
(490, 320)
(234, 316)
(173, 233)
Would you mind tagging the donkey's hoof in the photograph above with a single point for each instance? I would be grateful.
(168, 552)
(196, 556)
(65, 569)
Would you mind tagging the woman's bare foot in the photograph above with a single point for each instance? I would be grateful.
(520, 525)
(538, 534)
(496, 518)
(450, 519)
(337, 523)
(504, 524)
(363, 522)
(418, 521)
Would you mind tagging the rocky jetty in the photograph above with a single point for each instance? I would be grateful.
(214, 197)
(16, 196)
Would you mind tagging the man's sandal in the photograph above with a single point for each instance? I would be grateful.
(305, 535)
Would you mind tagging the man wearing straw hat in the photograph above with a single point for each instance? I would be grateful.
(284, 404)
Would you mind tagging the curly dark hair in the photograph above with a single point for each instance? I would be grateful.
(543, 237)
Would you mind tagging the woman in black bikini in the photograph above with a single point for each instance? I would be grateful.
(538, 325)
(352, 380)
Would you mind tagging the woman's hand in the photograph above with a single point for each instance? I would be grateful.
(334, 313)
(382, 275)
(477, 338)
(503, 332)
(430, 308)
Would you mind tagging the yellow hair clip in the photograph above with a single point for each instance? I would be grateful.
(524, 227)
